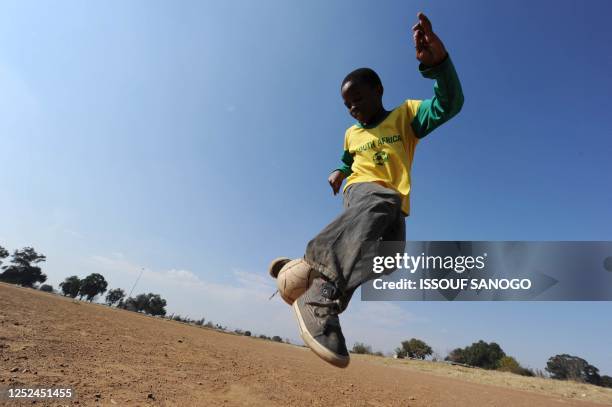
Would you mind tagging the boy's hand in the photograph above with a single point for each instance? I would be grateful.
(335, 180)
(429, 49)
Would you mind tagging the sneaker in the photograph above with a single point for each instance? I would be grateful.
(293, 277)
(317, 314)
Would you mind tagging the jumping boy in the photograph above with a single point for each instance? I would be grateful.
(378, 154)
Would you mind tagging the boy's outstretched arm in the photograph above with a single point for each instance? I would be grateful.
(435, 64)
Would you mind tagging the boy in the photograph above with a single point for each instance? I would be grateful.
(378, 153)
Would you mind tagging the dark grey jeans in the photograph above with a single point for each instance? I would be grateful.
(343, 251)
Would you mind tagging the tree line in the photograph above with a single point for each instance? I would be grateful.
(24, 270)
(559, 367)
(492, 357)
(95, 284)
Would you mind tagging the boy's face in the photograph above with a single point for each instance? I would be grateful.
(363, 100)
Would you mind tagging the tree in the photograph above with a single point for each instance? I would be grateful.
(361, 349)
(456, 356)
(479, 354)
(414, 348)
(567, 367)
(483, 354)
(46, 288)
(247, 333)
(151, 304)
(71, 286)
(114, 296)
(3, 254)
(26, 256)
(92, 285)
(141, 302)
(22, 271)
(156, 305)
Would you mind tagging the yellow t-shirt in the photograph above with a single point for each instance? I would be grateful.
(384, 153)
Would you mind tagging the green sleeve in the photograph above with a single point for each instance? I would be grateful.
(447, 100)
(347, 161)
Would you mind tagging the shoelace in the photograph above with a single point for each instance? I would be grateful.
(333, 307)
(328, 291)
(330, 307)
(273, 294)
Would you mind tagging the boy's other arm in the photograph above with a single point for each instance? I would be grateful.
(435, 64)
(339, 174)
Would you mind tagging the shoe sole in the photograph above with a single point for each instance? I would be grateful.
(318, 349)
(276, 265)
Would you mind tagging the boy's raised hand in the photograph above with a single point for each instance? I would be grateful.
(335, 180)
(429, 49)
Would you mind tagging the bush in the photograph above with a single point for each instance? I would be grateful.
(151, 304)
(247, 333)
(456, 356)
(277, 338)
(479, 354)
(414, 348)
(361, 349)
(46, 288)
(509, 364)
(525, 371)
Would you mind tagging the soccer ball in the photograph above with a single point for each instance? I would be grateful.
(294, 279)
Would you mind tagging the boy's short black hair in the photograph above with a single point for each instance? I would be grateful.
(363, 75)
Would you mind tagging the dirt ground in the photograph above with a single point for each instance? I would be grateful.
(116, 357)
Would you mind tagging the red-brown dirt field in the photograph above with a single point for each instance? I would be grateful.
(116, 357)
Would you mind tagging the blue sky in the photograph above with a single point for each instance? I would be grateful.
(193, 140)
